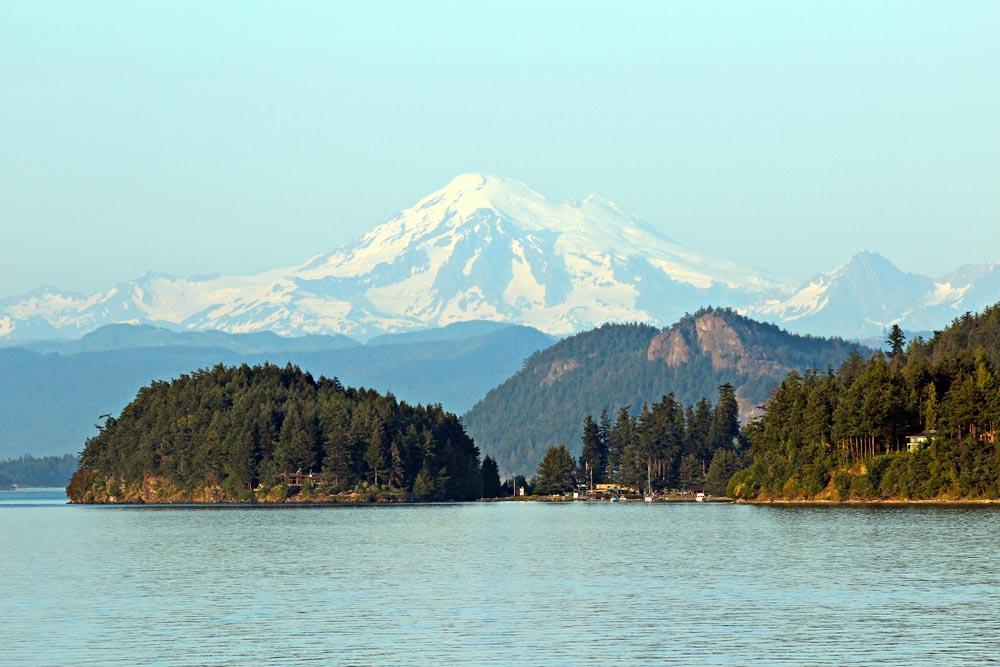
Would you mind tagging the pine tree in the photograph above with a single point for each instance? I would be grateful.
(295, 449)
(423, 485)
(896, 339)
(604, 437)
(555, 472)
(726, 420)
(397, 468)
(592, 460)
(724, 465)
(622, 433)
(491, 478)
(375, 453)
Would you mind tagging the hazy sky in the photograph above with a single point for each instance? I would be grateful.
(237, 136)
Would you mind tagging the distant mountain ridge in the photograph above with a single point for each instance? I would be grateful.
(868, 294)
(481, 248)
(544, 403)
(491, 248)
(52, 393)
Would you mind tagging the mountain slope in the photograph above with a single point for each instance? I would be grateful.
(629, 364)
(481, 248)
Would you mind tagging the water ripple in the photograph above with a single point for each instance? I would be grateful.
(510, 583)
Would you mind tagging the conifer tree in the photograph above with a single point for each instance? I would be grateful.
(491, 478)
(896, 340)
(375, 453)
(622, 434)
(726, 420)
(294, 449)
(555, 472)
(593, 459)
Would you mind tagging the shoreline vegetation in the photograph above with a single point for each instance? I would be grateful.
(267, 433)
(30, 471)
(916, 426)
(358, 500)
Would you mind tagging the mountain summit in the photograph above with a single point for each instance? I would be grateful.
(486, 247)
(483, 247)
(491, 248)
(867, 294)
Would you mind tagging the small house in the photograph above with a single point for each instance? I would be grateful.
(917, 440)
(298, 477)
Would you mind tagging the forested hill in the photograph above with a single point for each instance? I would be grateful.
(918, 423)
(240, 434)
(52, 392)
(631, 364)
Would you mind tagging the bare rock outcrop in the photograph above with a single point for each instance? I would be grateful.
(669, 347)
(558, 369)
(717, 339)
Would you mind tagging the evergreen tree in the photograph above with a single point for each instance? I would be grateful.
(604, 426)
(724, 465)
(699, 425)
(690, 471)
(622, 434)
(491, 478)
(375, 453)
(726, 420)
(397, 467)
(555, 472)
(896, 339)
(594, 457)
(295, 449)
(423, 486)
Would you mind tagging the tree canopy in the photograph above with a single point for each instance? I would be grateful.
(228, 432)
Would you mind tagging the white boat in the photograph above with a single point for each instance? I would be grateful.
(700, 497)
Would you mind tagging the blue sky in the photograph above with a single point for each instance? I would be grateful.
(233, 137)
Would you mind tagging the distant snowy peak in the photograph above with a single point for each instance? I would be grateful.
(491, 208)
(490, 248)
(868, 294)
(481, 248)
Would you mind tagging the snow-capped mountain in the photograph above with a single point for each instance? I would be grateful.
(483, 247)
(868, 294)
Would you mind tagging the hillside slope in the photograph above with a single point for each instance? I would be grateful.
(628, 364)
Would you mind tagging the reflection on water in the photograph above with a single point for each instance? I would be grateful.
(509, 583)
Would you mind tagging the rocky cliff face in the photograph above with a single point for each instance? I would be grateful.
(670, 347)
(712, 334)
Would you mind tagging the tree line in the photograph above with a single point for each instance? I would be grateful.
(664, 446)
(919, 421)
(38, 471)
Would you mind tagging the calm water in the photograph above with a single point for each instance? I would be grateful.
(507, 584)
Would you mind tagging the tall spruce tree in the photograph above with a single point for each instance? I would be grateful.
(555, 472)
(896, 340)
(726, 420)
(594, 456)
(491, 478)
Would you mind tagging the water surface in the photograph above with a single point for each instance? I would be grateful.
(503, 583)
